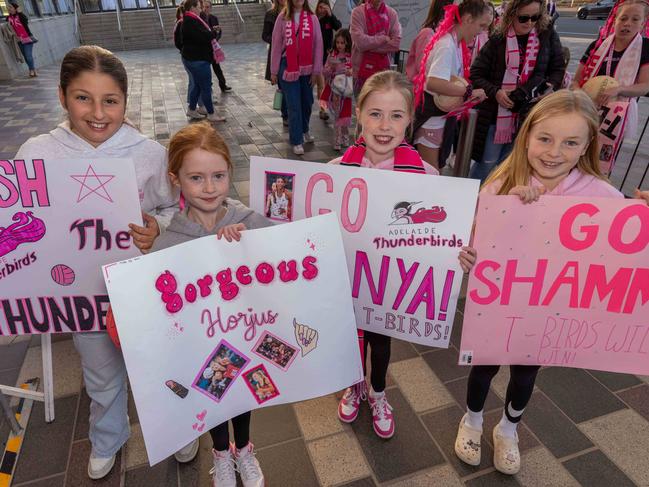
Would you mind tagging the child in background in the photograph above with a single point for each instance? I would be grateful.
(200, 166)
(93, 91)
(384, 112)
(338, 63)
(555, 153)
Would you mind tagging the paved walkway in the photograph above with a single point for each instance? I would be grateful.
(581, 428)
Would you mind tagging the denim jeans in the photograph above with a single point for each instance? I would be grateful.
(190, 86)
(26, 49)
(493, 155)
(202, 75)
(299, 103)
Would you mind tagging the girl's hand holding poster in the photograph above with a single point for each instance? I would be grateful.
(211, 329)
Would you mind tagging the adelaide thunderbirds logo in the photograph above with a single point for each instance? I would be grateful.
(405, 214)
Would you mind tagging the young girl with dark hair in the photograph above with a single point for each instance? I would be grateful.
(93, 91)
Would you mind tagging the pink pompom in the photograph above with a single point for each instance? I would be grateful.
(62, 275)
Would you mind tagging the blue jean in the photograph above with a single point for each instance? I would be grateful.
(493, 155)
(299, 103)
(284, 109)
(202, 75)
(190, 86)
(104, 375)
(27, 49)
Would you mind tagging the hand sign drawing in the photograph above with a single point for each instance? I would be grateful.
(307, 338)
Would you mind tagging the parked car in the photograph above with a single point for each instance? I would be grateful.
(599, 9)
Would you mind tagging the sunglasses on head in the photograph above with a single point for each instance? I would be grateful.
(524, 19)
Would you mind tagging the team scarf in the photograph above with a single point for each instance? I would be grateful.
(217, 53)
(406, 158)
(377, 22)
(625, 73)
(451, 18)
(299, 47)
(506, 121)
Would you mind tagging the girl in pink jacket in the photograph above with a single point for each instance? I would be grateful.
(556, 153)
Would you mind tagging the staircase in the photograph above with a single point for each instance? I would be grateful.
(141, 28)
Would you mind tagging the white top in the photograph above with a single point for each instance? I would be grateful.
(157, 197)
(445, 60)
(279, 203)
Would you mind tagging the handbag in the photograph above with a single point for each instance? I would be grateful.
(343, 85)
(219, 55)
(277, 100)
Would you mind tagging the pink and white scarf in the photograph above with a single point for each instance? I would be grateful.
(506, 121)
(625, 73)
(406, 158)
(299, 47)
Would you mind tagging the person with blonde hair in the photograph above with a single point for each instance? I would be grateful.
(555, 154)
(384, 112)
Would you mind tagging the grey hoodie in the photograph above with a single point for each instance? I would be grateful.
(182, 229)
(157, 198)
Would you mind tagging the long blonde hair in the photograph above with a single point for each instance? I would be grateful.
(516, 170)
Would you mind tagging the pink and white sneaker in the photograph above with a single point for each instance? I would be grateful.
(382, 418)
(350, 403)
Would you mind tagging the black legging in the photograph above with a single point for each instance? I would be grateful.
(380, 345)
(221, 434)
(519, 390)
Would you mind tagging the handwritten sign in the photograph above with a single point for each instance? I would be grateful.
(402, 234)
(61, 220)
(564, 281)
(211, 329)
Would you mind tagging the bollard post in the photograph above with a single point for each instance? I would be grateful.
(465, 144)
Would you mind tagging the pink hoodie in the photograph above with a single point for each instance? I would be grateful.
(416, 52)
(576, 183)
(362, 41)
(279, 45)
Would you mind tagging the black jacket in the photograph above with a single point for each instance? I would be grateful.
(267, 36)
(487, 73)
(328, 25)
(213, 21)
(196, 40)
(178, 35)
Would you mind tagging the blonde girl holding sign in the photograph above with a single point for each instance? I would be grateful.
(554, 154)
(624, 55)
(384, 112)
(93, 90)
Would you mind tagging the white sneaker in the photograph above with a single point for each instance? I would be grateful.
(507, 458)
(187, 453)
(467, 443)
(248, 466)
(298, 149)
(382, 417)
(223, 471)
(195, 114)
(202, 111)
(213, 117)
(99, 467)
(308, 138)
(350, 403)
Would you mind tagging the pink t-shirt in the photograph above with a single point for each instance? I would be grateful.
(388, 165)
(576, 183)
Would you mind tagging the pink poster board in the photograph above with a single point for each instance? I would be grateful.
(560, 282)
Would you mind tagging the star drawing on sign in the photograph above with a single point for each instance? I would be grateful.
(91, 182)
